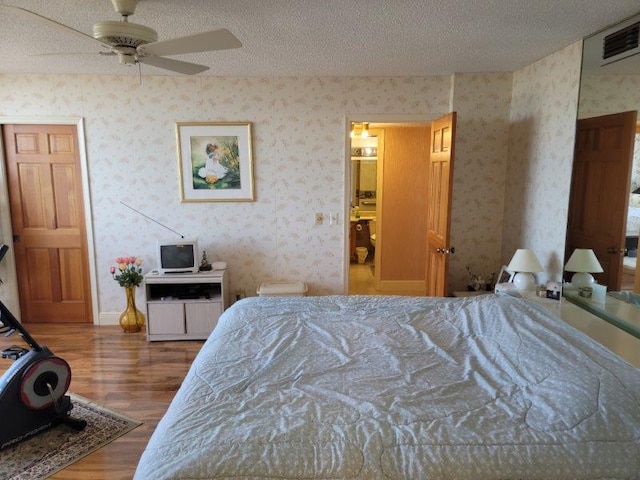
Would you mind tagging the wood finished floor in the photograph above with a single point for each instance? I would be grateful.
(121, 371)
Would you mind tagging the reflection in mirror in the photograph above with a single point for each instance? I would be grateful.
(364, 155)
(604, 211)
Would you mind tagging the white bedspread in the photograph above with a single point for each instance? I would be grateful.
(399, 387)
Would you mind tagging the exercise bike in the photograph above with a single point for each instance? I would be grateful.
(32, 390)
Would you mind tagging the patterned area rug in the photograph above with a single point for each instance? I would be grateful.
(49, 452)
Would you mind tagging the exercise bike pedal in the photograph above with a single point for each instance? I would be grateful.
(14, 352)
(6, 330)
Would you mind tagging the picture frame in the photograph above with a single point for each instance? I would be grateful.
(215, 161)
(505, 276)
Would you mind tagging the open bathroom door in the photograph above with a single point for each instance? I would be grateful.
(443, 133)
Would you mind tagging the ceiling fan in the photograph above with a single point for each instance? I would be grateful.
(134, 43)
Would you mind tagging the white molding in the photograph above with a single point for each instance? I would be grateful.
(5, 213)
(108, 318)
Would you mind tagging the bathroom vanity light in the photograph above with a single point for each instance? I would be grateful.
(525, 264)
(359, 129)
(583, 262)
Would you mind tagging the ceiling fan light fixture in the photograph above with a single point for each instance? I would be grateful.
(125, 59)
(134, 43)
(123, 34)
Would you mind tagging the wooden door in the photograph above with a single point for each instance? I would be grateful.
(47, 217)
(600, 191)
(443, 133)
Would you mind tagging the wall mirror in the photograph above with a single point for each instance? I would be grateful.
(604, 203)
(604, 210)
(364, 172)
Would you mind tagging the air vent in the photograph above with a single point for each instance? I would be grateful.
(621, 41)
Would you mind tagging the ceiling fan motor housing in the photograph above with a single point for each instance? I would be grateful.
(125, 7)
(123, 34)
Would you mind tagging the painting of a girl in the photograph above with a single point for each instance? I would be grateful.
(215, 163)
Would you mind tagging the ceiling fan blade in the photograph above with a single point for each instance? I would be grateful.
(173, 65)
(34, 16)
(51, 54)
(201, 42)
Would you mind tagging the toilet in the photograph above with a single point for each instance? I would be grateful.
(362, 253)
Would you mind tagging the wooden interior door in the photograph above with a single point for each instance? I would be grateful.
(47, 218)
(443, 133)
(600, 191)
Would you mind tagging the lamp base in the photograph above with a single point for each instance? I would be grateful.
(582, 279)
(524, 281)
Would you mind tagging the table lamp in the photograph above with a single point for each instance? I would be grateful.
(525, 264)
(583, 262)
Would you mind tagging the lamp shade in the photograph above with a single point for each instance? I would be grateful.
(524, 260)
(524, 263)
(583, 260)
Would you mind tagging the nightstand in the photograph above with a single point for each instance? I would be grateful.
(550, 304)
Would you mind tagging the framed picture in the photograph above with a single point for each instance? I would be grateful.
(215, 162)
(505, 275)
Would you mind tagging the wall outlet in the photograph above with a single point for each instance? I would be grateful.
(319, 218)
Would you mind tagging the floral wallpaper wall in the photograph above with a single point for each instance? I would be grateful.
(482, 104)
(543, 115)
(604, 94)
(299, 146)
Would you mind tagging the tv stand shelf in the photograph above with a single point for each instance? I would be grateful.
(185, 306)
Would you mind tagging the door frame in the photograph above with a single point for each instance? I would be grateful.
(10, 294)
(371, 118)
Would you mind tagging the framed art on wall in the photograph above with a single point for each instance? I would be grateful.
(215, 161)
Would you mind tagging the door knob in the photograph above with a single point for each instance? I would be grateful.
(16, 238)
(616, 251)
(450, 250)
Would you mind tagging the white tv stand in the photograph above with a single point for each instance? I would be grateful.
(184, 306)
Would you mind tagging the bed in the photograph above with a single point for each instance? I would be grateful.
(375, 387)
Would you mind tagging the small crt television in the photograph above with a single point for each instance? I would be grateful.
(180, 256)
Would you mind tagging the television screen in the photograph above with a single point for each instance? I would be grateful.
(177, 256)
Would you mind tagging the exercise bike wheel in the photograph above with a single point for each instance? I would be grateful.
(51, 372)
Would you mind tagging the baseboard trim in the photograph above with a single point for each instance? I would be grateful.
(108, 319)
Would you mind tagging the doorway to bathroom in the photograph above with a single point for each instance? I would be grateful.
(387, 205)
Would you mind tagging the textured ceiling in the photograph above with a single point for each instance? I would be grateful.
(317, 37)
